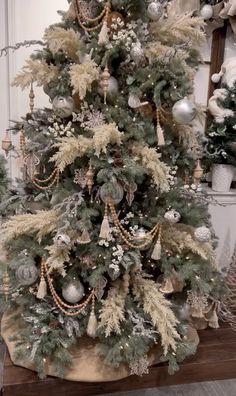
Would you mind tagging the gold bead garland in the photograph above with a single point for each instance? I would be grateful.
(6, 285)
(84, 19)
(126, 236)
(59, 302)
(53, 179)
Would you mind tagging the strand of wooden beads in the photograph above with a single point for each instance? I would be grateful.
(31, 97)
(60, 303)
(129, 237)
(84, 19)
(53, 179)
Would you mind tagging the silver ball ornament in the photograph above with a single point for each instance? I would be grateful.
(184, 312)
(27, 275)
(112, 89)
(207, 11)
(73, 292)
(172, 216)
(154, 11)
(202, 234)
(63, 106)
(62, 240)
(137, 53)
(184, 111)
(111, 190)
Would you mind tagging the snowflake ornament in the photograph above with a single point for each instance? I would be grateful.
(139, 367)
(89, 117)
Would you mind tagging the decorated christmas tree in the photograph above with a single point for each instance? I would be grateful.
(220, 146)
(111, 245)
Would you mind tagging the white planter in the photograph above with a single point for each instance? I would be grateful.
(222, 177)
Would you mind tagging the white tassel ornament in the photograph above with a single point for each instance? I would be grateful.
(160, 132)
(103, 38)
(105, 226)
(92, 323)
(156, 254)
(42, 290)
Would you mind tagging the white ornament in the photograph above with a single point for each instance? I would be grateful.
(184, 111)
(172, 216)
(27, 274)
(112, 90)
(207, 11)
(63, 106)
(202, 234)
(227, 73)
(154, 11)
(137, 52)
(73, 292)
(62, 240)
(134, 102)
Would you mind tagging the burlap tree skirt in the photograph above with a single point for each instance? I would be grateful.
(87, 365)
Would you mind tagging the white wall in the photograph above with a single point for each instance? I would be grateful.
(21, 20)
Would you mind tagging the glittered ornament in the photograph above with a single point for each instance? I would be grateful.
(63, 106)
(202, 234)
(111, 190)
(73, 292)
(134, 102)
(154, 11)
(62, 240)
(137, 53)
(172, 216)
(184, 111)
(27, 274)
(207, 11)
(109, 89)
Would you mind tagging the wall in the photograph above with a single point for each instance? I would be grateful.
(21, 20)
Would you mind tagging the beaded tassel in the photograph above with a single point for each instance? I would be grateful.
(105, 227)
(156, 254)
(92, 323)
(42, 289)
(160, 132)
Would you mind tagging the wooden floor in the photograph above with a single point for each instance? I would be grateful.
(215, 360)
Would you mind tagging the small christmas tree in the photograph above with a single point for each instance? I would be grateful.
(220, 147)
(122, 244)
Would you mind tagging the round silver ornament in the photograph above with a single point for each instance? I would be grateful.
(27, 274)
(184, 111)
(73, 292)
(137, 53)
(62, 240)
(202, 234)
(172, 216)
(154, 11)
(63, 106)
(184, 312)
(111, 190)
(207, 11)
(112, 89)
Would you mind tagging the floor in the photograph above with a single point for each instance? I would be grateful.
(217, 388)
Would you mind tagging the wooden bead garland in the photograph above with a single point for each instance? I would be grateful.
(65, 308)
(52, 180)
(85, 20)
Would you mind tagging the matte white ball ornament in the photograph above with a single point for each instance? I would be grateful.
(154, 11)
(73, 292)
(112, 90)
(63, 106)
(202, 234)
(207, 11)
(184, 111)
